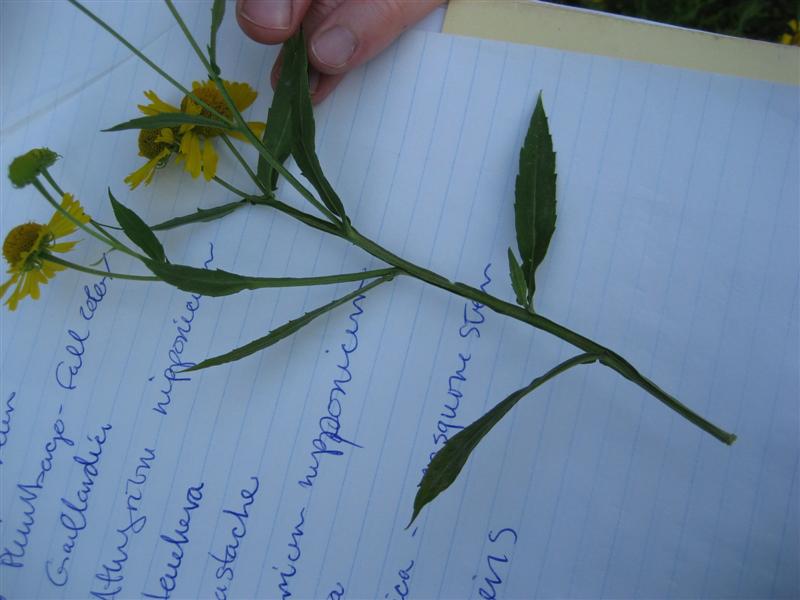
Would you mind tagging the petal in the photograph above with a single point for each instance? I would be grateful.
(145, 172)
(209, 160)
(166, 135)
(241, 94)
(8, 284)
(62, 247)
(15, 296)
(255, 126)
(157, 105)
(59, 225)
(190, 148)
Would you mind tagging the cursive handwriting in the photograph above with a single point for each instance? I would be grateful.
(168, 581)
(12, 557)
(175, 353)
(67, 370)
(492, 562)
(337, 593)
(294, 555)
(330, 424)
(134, 487)
(5, 425)
(402, 589)
(224, 572)
(472, 319)
(73, 519)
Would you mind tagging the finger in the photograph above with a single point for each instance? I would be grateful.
(270, 21)
(356, 31)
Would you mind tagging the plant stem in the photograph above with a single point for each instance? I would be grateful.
(233, 189)
(144, 58)
(243, 162)
(241, 124)
(607, 357)
(90, 271)
(102, 238)
(111, 240)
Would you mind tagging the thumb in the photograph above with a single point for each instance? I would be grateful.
(356, 31)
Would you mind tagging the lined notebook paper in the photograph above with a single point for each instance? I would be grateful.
(291, 474)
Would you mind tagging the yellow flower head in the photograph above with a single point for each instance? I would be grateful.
(27, 247)
(793, 37)
(191, 143)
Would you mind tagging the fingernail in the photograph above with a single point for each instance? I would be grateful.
(335, 46)
(313, 81)
(268, 14)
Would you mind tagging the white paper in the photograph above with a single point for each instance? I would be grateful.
(676, 245)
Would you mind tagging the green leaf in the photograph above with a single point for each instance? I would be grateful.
(169, 120)
(287, 329)
(217, 14)
(517, 280)
(448, 462)
(224, 283)
(302, 115)
(535, 196)
(201, 215)
(138, 231)
(278, 133)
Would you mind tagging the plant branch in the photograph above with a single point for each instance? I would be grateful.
(90, 271)
(606, 356)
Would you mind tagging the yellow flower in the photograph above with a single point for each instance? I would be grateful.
(792, 38)
(27, 246)
(157, 145)
(191, 143)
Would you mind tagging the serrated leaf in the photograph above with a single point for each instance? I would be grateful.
(517, 279)
(217, 15)
(286, 329)
(535, 196)
(278, 133)
(217, 282)
(200, 216)
(137, 230)
(448, 462)
(173, 119)
(302, 115)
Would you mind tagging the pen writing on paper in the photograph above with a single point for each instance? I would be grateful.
(183, 328)
(73, 518)
(67, 370)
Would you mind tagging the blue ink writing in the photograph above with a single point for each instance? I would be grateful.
(5, 425)
(73, 519)
(294, 555)
(493, 562)
(67, 371)
(337, 593)
(175, 353)
(134, 487)
(224, 572)
(402, 588)
(330, 424)
(168, 581)
(472, 319)
(12, 557)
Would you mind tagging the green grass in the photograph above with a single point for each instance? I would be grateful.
(755, 19)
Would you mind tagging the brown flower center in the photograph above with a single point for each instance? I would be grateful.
(212, 97)
(20, 240)
(148, 146)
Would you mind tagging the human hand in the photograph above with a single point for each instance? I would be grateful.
(341, 34)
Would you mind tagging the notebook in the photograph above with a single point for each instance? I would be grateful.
(676, 245)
